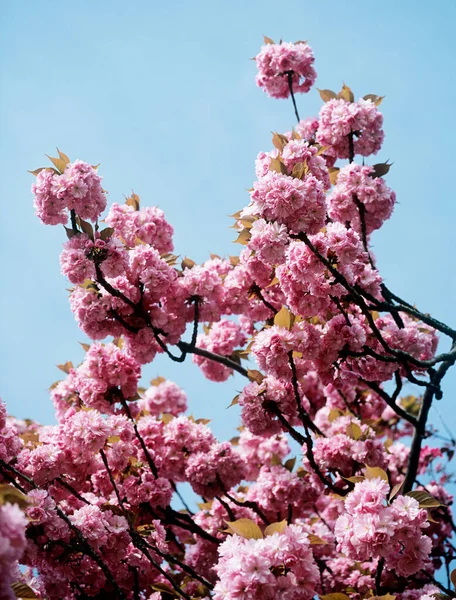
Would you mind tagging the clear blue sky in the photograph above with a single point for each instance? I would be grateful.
(163, 95)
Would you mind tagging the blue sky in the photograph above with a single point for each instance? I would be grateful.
(163, 95)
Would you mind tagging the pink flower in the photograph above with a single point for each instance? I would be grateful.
(275, 61)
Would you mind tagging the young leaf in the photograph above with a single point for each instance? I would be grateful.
(245, 528)
(377, 100)
(63, 157)
(234, 401)
(187, 263)
(86, 227)
(346, 94)
(58, 163)
(70, 232)
(10, 494)
(373, 472)
(315, 540)
(290, 463)
(284, 318)
(133, 201)
(22, 590)
(354, 431)
(106, 233)
(424, 499)
(381, 169)
(255, 375)
(243, 238)
(333, 174)
(275, 528)
(453, 577)
(279, 141)
(395, 490)
(268, 40)
(335, 596)
(327, 95)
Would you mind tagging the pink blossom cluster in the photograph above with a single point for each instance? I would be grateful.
(222, 338)
(356, 184)
(274, 63)
(370, 528)
(164, 397)
(78, 188)
(13, 523)
(81, 255)
(339, 119)
(107, 486)
(106, 374)
(298, 204)
(280, 565)
(307, 282)
(10, 443)
(280, 493)
(147, 225)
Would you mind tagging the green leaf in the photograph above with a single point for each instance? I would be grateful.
(245, 528)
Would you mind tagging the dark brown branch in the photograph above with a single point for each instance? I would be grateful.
(391, 403)
(149, 458)
(420, 429)
(290, 87)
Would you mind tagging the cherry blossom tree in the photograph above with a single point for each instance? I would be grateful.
(335, 487)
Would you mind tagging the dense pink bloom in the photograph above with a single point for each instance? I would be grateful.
(278, 566)
(298, 204)
(222, 338)
(106, 369)
(275, 61)
(355, 183)
(147, 225)
(13, 542)
(166, 397)
(211, 473)
(49, 207)
(339, 118)
(370, 528)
